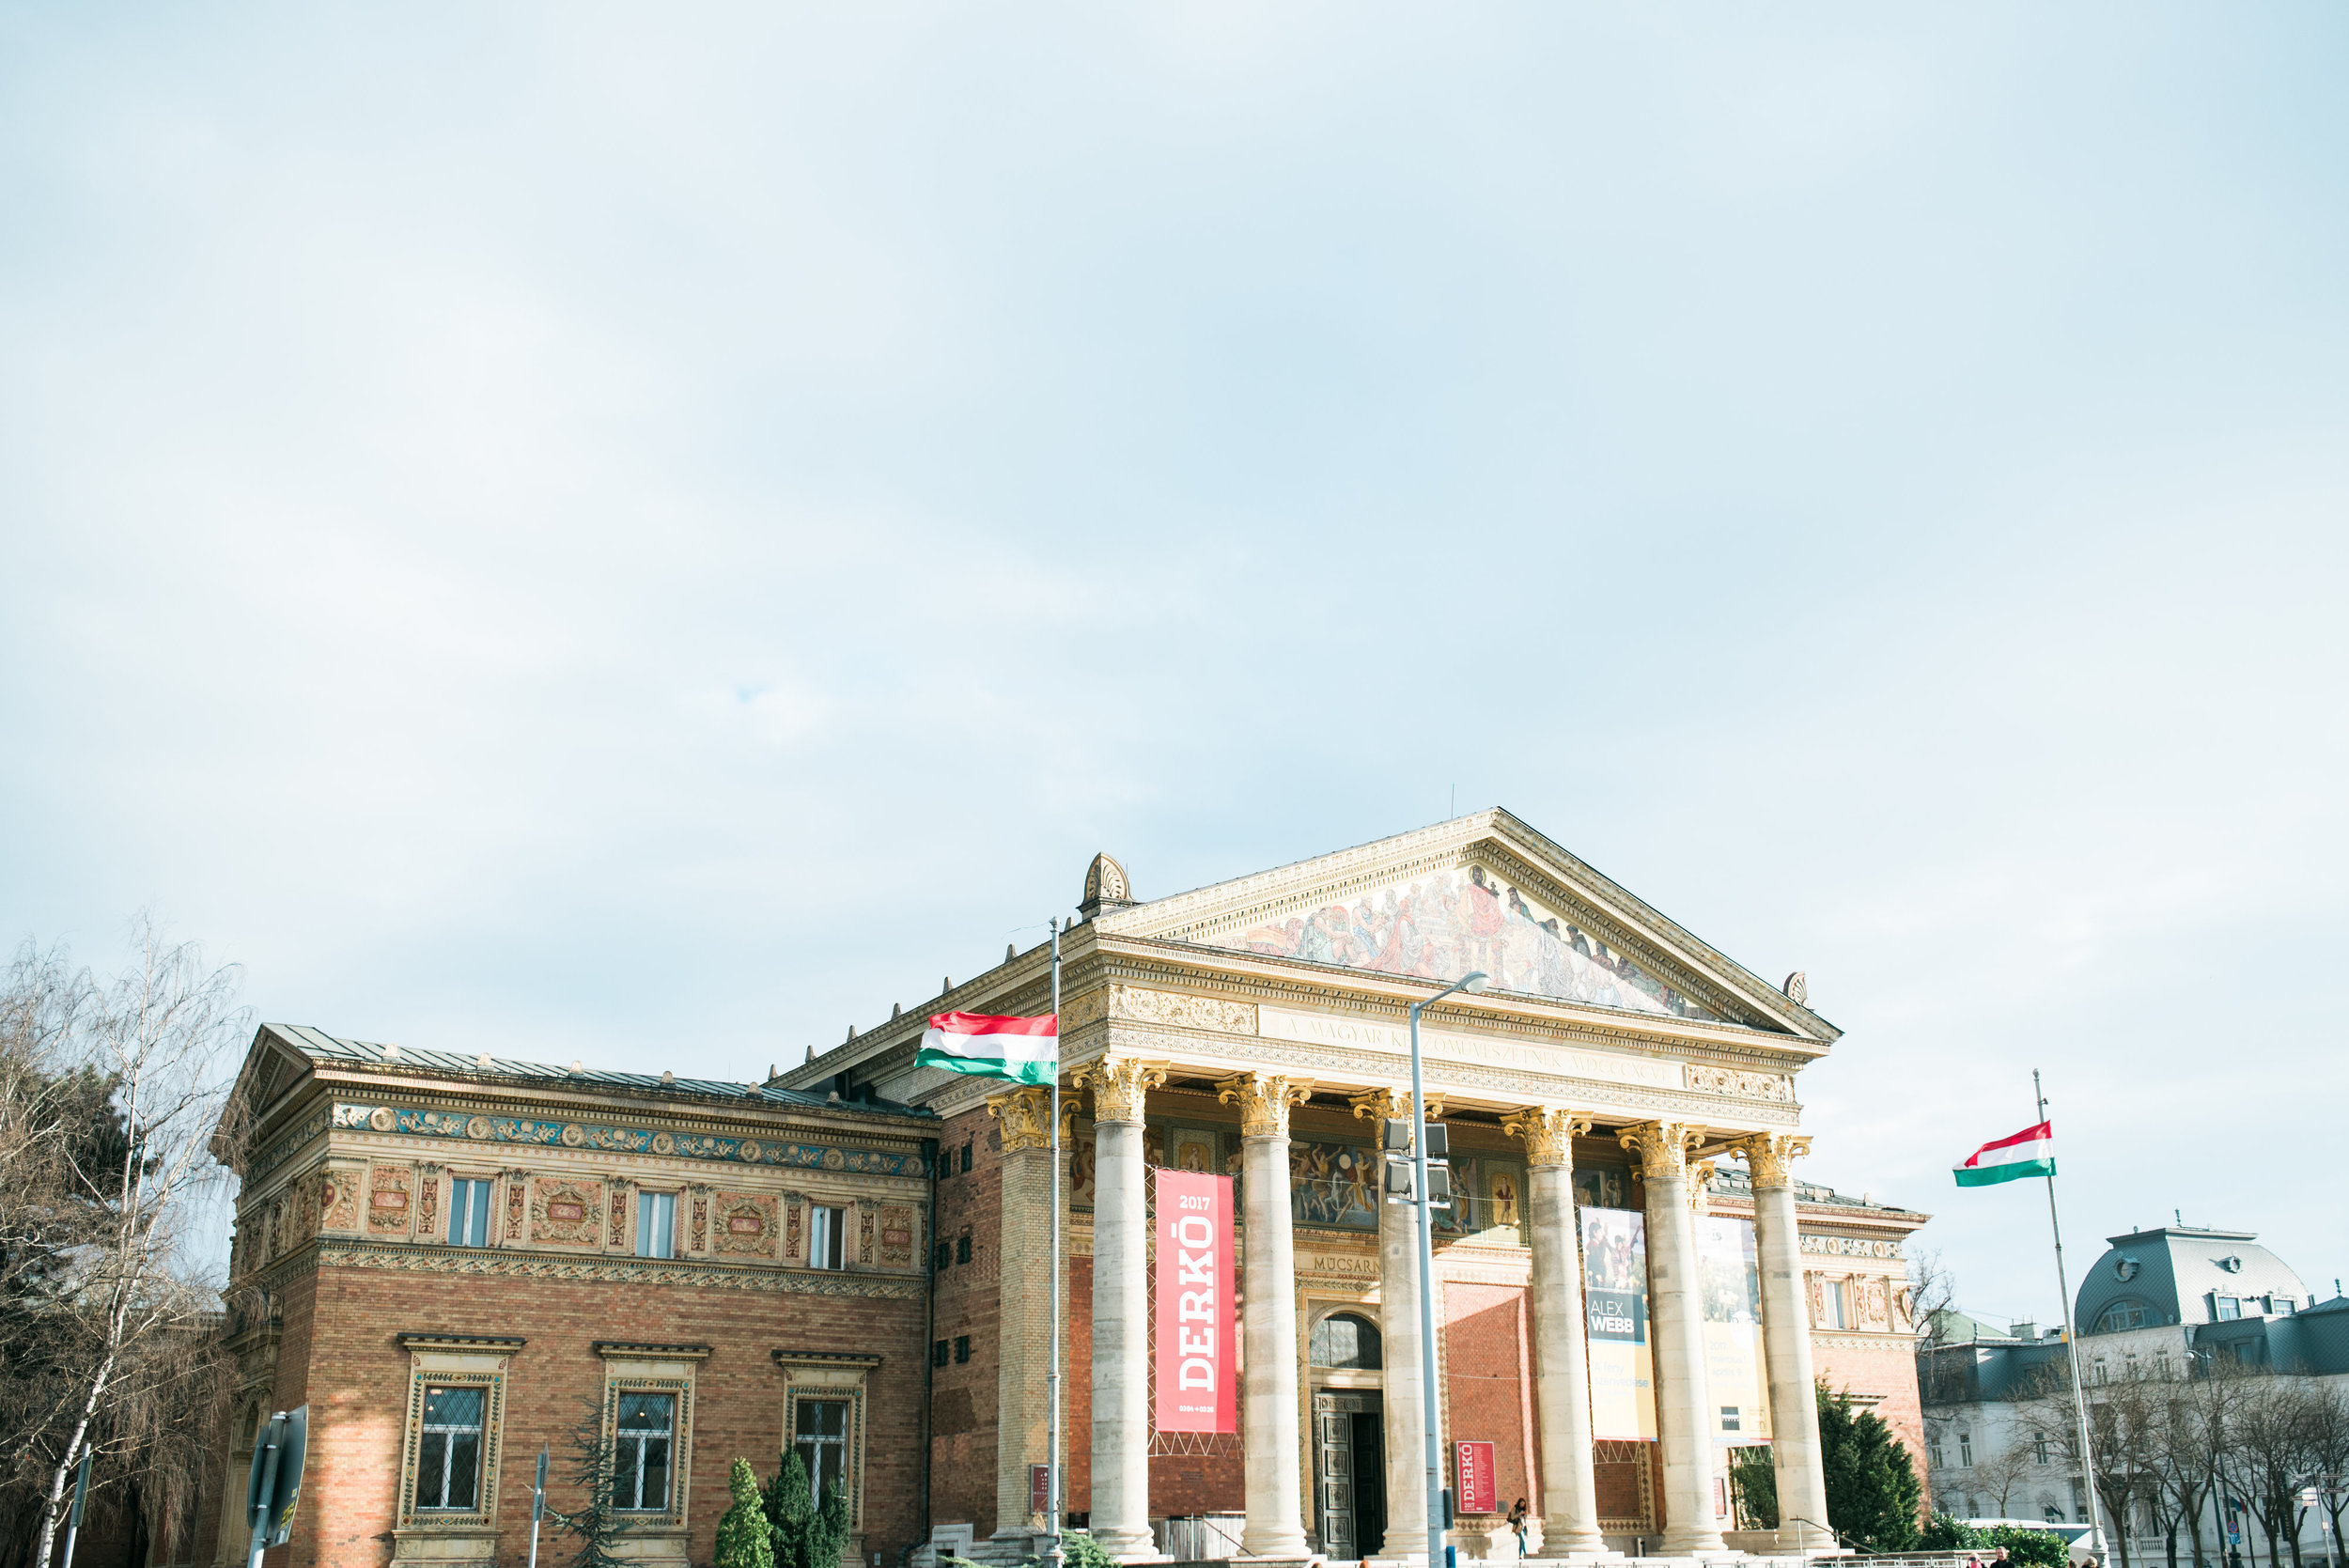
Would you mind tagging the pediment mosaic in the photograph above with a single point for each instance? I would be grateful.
(1447, 923)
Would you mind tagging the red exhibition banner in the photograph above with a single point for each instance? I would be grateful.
(1196, 1328)
(1473, 1468)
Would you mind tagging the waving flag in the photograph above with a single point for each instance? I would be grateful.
(1025, 1051)
(2028, 1153)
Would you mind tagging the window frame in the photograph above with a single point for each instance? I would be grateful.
(828, 1375)
(828, 1237)
(445, 1361)
(835, 1443)
(428, 1430)
(624, 1438)
(656, 1225)
(633, 1368)
(463, 1189)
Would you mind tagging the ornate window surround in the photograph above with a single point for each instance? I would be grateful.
(633, 1367)
(475, 1360)
(830, 1375)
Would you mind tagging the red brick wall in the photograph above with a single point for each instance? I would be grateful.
(1889, 1370)
(340, 1353)
(964, 1396)
(1487, 1382)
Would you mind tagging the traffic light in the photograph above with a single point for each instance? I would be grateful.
(1395, 1141)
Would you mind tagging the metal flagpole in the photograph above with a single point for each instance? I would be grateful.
(1052, 1441)
(2072, 1343)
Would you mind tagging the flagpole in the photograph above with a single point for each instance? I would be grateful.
(2071, 1339)
(1052, 1441)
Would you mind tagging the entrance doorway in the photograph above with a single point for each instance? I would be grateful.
(1349, 1472)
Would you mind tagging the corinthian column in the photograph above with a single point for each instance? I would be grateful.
(1025, 1316)
(1795, 1451)
(1121, 1310)
(1562, 1348)
(1677, 1304)
(1269, 1411)
(1403, 1407)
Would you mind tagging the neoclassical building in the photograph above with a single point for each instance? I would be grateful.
(456, 1260)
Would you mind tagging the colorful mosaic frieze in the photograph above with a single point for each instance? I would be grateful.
(625, 1140)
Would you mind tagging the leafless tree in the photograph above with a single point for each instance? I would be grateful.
(2328, 1431)
(2268, 1453)
(112, 1093)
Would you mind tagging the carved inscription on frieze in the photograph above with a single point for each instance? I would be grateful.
(1179, 1011)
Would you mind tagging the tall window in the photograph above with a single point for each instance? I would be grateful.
(826, 1234)
(448, 1469)
(1832, 1304)
(2039, 1448)
(1933, 1453)
(468, 1213)
(656, 1225)
(640, 1468)
(1343, 1341)
(822, 1440)
(1965, 1448)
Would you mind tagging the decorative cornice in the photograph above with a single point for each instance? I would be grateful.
(612, 1138)
(632, 1350)
(408, 1258)
(1263, 1100)
(825, 1359)
(1120, 1085)
(1549, 1133)
(503, 1344)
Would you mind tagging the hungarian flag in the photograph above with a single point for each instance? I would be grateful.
(1025, 1051)
(2028, 1153)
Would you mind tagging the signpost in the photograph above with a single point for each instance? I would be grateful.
(273, 1488)
(80, 1496)
(538, 1507)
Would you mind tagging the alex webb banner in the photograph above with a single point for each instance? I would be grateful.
(1193, 1281)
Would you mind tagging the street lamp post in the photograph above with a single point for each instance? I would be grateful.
(1471, 982)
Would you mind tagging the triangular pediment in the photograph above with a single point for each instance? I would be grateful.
(1479, 892)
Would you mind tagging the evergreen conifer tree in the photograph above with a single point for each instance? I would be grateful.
(791, 1520)
(744, 1538)
(1872, 1494)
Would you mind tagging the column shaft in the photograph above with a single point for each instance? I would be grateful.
(1276, 1525)
(1676, 1309)
(1795, 1449)
(1121, 1339)
(1562, 1360)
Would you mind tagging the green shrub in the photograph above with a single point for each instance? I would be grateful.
(2041, 1549)
(745, 1537)
(1872, 1493)
(1078, 1549)
(1947, 1532)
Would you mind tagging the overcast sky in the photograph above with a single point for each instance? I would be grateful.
(650, 537)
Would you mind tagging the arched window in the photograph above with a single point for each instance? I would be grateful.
(1344, 1342)
(2120, 1315)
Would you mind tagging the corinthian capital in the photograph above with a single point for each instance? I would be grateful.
(1382, 1105)
(1700, 1178)
(1662, 1147)
(1263, 1100)
(1119, 1086)
(1549, 1133)
(1770, 1156)
(1025, 1115)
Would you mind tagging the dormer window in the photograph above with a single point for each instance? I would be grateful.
(2231, 1264)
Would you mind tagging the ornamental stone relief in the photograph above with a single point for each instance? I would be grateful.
(388, 1200)
(1176, 1010)
(1851, 1247)
(1746, 1086)
(896, 1234)
(747, 1224)
(565, 1212)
